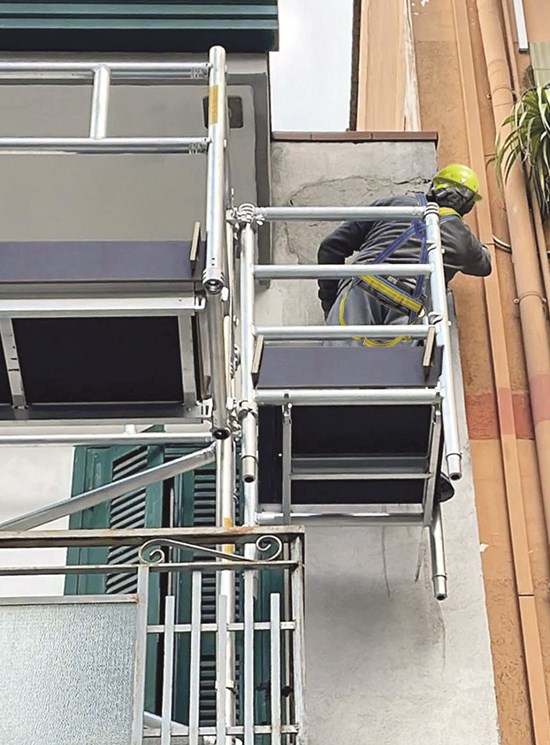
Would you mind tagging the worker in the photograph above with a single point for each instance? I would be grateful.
(365, 300)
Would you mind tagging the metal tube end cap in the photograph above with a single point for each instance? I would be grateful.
(454, 466)
(440, 587)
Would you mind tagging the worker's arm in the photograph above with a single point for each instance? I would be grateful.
(478, 258)
(335, 249)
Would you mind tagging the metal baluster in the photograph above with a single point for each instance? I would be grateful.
(168, 670)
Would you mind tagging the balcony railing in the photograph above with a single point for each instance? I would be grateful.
(219, 668)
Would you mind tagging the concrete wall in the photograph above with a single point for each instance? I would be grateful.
(29, 479)
(385, 662)
(330, 173)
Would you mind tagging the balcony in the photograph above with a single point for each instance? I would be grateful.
(198, 639)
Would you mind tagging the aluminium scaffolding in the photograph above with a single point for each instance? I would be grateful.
(265, 398)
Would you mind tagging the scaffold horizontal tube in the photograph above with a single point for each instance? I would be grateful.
(136, 438)
(339, 332)
(322, 519)
(41, 69)
(330, 214)
(339, 271)
(111, 491)
(112, 145)
(343, 396)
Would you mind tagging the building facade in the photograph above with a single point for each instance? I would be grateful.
(458, 65)
(432, 80)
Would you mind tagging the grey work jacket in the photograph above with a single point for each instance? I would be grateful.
(462, 250)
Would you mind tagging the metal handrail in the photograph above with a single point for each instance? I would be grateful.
(279, 550)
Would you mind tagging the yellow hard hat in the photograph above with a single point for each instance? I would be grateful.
(458, 175)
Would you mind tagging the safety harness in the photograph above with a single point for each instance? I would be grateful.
(390, 290)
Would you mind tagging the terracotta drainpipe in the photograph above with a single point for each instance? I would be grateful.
(515, 493)
(524, 250)
(539, 229)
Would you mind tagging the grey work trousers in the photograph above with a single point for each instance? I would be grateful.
(362, 309)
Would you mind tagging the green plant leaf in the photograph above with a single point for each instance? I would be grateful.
(524, 139)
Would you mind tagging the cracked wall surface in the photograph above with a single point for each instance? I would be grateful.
(334, 173)
(386, 664)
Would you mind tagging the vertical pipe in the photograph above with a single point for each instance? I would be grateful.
(541, 243)
(213, 277)
(249, 689)
(298, 646)
(225, 486)
(100, 102)
(216, 179)
(524, 250)
(230, 267)
(287, 463)
(275, 681)
(247, 339)
(221, 671)
(521, 26)
(536, 345)
(515, 489)
(195, 660)
(225, 483)
(249, 408)
(168, 671)
(218, 366)
(437, 547)
(140, 655)
(431, 482)
(507, 18)
(439, 306)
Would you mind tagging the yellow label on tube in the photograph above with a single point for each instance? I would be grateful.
(228, 524)
(213, 105)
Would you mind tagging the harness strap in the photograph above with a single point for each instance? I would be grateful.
(366, 342)
(393, 293)
(388, 292)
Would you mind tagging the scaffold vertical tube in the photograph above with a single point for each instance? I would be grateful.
(216, 175)
(218, 367)
(249, 414)
(100, 102)
(437, 547)
(225, 518)
(213, 277)
(438, 288)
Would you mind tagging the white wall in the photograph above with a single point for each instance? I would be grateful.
(31, 478)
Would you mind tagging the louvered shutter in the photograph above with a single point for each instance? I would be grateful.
(94, 467)
(195, 501)
(196, 504)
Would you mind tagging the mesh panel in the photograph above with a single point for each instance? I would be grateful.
(67, 673)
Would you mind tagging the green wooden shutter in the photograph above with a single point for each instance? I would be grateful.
(143, 508)
(94, 467)
(195, 498)
(195, 505)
